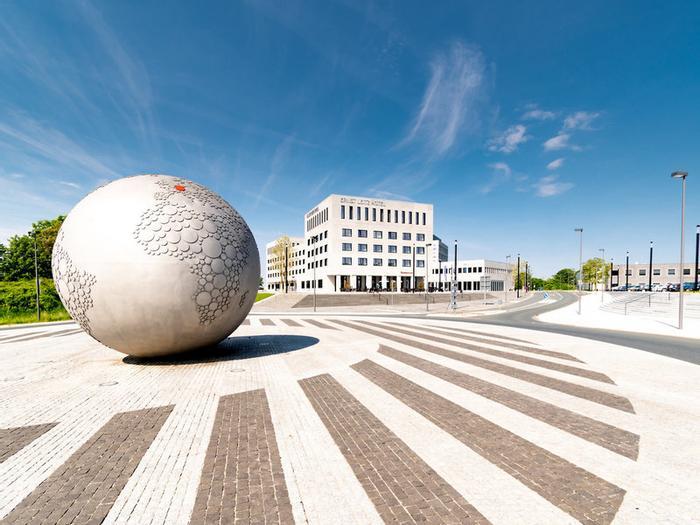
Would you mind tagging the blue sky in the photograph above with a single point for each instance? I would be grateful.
(519, 120)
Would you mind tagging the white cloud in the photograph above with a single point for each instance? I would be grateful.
(69, 184)
(500, 173)
(580, 120)
(555, 164)
(539, 114)
(549, 186)
(450, 101)
(560, 141)
(509, 141)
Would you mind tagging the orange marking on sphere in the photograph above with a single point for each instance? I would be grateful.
(179, 187)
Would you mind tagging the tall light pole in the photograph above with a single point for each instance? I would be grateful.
(602, 275)
(627, 271)
(651, 259)
(681, 175)
(286, 267)
(427, 274)
(510, 271)
(517, 286)
(526, 268)
(697, 249)
(36, 278)
(453, 299)
(413, 287)
(580, 267)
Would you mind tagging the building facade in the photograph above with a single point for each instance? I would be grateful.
(284, 256)
(473, 275)
(661, 274)
(358, 244)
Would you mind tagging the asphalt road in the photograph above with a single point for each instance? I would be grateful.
(522, 315)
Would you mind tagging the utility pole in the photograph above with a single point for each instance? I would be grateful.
(651, 258)
(697, 249)
(580, 267)
(427, 273)
(627, 272)
(314, 239)
(517, 287)
(681, 175)
(413, 287)
(510, 271)
(453, 299)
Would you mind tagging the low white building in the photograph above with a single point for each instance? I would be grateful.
(473, 275)
(284, 255)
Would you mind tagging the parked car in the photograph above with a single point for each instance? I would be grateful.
(658, 288)
(689, 287)
(635, 288)
(673, 287)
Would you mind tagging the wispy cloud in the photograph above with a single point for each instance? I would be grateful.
(500, 173)
(555, 164)
(509, 140)
(580, 120)
(279, 158)
(449, 105)
(550, 186)
(559, 142)
(389, 195)
(535, 113)
(69, 184)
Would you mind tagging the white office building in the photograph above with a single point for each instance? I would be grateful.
(356, 243)
(280, 255)
(473, 275)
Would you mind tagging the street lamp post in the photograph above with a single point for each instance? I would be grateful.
(526, 268)
(517, 286)
(697, 249)
(580, 267)
(612, 259)
(286, 267)
(681, 175)
(603, 280)
(314, 239)
(427, 274)
(627, 271)
(36, 278)
(413, 288)
(651, 259)
(453, 299)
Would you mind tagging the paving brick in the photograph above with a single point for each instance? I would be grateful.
(291, 322)
(15, 439)
(319, 324)
(585, 496)
(383, 463)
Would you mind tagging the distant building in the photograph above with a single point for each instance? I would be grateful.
(661, 273)
(473, 275)
(276, 259)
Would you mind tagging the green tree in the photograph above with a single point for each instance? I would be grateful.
(564, 279)
(595, 271)
(17, 258)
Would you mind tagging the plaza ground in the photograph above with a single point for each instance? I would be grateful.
(347, 419)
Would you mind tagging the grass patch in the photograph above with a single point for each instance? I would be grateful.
(15, 317)
(261, 296)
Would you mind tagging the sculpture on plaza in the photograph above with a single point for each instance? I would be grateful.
(153, 265)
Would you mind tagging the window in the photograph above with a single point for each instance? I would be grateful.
(406, 263)
(468, 270)
(351, 209)
(406, 236)
(403, 217)
(391, 248)
(377, 262)
(406, 249)
(347, 261)
(480, 269)
(361, 247)
(686, 271)
(420, 250)
(420, 264)
(396, 216)
(362, 261)
(657, 271)
(642, 272)
(671, 271)
(374, 214)
(366, 214)
(362, 233)
(377, 234)
(381, 215)
(347, 232)
(392, 262)
(392, 235)
(410, 217)
(377, 248)
(423, 218)
(347, 247)
(420, 236)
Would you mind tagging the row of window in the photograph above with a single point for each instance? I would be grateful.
(669, 271)
(362, 261)
(318, 219)
(466, 269)
(317, 238)
(379, 248)
(406, 236)
(355, 213)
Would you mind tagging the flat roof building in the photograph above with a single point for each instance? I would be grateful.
(661, 274)
(473, 275)
(284, 253)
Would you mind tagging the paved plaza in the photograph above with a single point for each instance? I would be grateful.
(347, 419)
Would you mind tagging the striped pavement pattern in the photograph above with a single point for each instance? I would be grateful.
(229, 452)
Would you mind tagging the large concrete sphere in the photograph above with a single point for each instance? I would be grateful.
(153, 265)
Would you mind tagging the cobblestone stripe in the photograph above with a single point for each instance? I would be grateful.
(403, 488)
(487, 334)
(616, 439)
(39, 335)
(246, 322)
(584, 392)
(267, 322)
(72, 332)
(559, 367)
(242, 478)
(319, 324)
(581, 494)
(12, 334)
(12, 440)
(85, 487)
(540, 351)
(291, 322)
